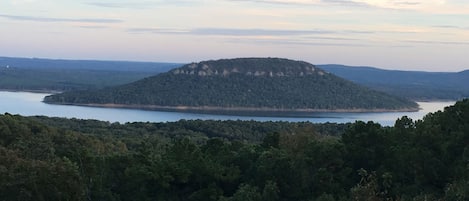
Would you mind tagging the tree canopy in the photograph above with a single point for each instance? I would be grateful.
(45, 158)
(270, 84)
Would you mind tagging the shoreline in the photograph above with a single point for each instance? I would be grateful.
(237, 110)
(50, 91)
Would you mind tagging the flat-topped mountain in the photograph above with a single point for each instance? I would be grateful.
(270, 67)
(241, 85)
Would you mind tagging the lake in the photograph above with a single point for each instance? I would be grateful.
(30, 104)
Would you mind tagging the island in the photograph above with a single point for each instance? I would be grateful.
(241, 85)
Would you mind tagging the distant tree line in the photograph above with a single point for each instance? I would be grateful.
(68, 159)
(414, 85)
(63, 79)
(32, 74)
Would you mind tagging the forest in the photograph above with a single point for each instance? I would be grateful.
(414, 85)
(44, 158)
(36, 74)
(33, 74)
(280, 84)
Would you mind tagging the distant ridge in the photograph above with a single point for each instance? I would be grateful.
(51, 75)
(416, 85)
(40, 63)
(48, 75)
(242, 84)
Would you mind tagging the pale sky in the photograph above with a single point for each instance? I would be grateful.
(430, 35)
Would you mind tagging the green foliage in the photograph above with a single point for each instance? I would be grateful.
(64, 79)
(58, 159)
(415, 85)
(246, 192)
(63, 75)
(245, 85)
(198, 130)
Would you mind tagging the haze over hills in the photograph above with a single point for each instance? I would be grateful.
(243, 84)
(33, 74)
(415, 85)
(127, 66)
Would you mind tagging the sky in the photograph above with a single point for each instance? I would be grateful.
(429, 35)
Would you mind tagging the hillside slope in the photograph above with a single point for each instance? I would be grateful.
(416, 85)
(245, 84)
(32, 74)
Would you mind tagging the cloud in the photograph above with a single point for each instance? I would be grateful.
(295, 42)
(159, 31)
(94, 27)
(49, 19)
(278, 2)
(255, 32)
(109, 5)
(136, 5)
(347, 3)
(451, 27)
(424, 6)
(436, 42)
(231, 31)
(140, 4)
(331, 38)
(406, 3)
(268, 36)
(20, 2)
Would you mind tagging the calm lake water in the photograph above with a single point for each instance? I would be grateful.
(30, 104)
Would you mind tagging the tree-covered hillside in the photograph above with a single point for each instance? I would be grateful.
(58, 159)
(25, 74)
(261, 84)
(414, 85)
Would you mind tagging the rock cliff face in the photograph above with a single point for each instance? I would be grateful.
(244, 84)
(270, 67)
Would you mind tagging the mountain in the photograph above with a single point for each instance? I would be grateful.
(241, 85)
(38, 74)
(32, 74)
(414, 85)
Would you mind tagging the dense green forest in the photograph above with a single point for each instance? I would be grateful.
(36, 74)
(45, 158)
(25, 74)
(242, 84)
(415, 85)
